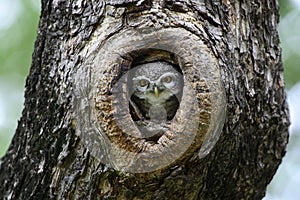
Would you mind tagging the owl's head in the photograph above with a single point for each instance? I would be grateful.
(156, 82)
(156, 90)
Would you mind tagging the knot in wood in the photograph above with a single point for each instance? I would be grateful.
(199, 118)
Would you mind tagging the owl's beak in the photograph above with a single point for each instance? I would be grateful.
(156, 93)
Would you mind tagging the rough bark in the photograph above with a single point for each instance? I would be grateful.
(48, 160)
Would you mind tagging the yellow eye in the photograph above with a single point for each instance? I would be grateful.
(167, 79)
(143, 83)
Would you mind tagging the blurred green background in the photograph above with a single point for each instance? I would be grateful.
(18, 29)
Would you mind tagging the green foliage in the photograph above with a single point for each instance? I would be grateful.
(285, 7)
(289, 29)
(17, 42)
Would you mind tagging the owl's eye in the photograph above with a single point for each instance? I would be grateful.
(167, 79)
(143, 82)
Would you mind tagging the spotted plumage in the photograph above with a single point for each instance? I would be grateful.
(156, 90)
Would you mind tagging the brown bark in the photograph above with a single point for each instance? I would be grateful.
(233, 44)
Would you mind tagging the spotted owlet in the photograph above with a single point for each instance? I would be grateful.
(156, 90)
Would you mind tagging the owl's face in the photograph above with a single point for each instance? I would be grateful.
(157, 90)
(156, 85)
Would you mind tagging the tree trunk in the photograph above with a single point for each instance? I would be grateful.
(77, 138)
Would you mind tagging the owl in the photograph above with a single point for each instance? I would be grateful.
(156, 91)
